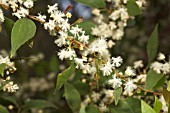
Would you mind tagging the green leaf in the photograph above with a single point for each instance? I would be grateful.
(129, 105)
(93, 3)
(92, 109)
(166, 95)
(3, 109)
(133, 8)
(117, 94)
(8, 24)
(64, 76)
(72, 97)
(152, 45)
(23, 30)
(38, 104)
(53, 65)
(160, 83)
(146, 108)
(2, 68)
(83, 109)
(157, 105)
(168, 88)
(83, 88)
(86, 26)
(152, 79)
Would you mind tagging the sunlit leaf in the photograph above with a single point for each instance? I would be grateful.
(146, 108)
(117, 94)
(23, 30)
(157, 105)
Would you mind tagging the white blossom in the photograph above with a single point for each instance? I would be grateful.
(130, 86)
(66, 53)
(95, 96)
(1, 16)
(115, 82)
(138, 64)
(29, 3)
(107, 69)
(116, 61)
(129, 71)
(10, 87)
(161, 56)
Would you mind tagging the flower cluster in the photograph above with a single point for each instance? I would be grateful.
(113, 25)
(6, 83)
(161, 66)
(20, 8)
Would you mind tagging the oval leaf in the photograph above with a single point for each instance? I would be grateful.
(8, 23)
(146, 108)
(23, 30)
(3, 109)
(117, 93)
(64, 76)
(72, 97)
(39, 104)
(157, 105)
(152, 45)
(93, 3)
(152, 79)
(133, 8)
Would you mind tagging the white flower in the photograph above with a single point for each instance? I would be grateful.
(161, 56)
(129, 71)
(107, 69)
(124, 14)
(10, 87)
(64, 25)
(66, 53)
(1, 16)
(75, 30)
(68, 15)
(166, 68)
(95, 96)
(28, 3)
(115, 82)
(156, 66)
(96, 12)
(49, 25)
(13, 4)
(116, 61)
(141, 78)
(21, 12)
(130, 86)
(52, 8)
(83, 38)
(62, 39)
(103, 107)
(138, 64)
(79, 62)
(58, 16)
(108, 93)
(164, 105)
(110, 43)
(115, 15)
(41, 17)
